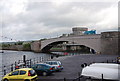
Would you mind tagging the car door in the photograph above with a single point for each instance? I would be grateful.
(39, 69)
(22, 75)
(14, 76)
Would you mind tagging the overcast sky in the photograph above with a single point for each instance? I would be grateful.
(36, 19)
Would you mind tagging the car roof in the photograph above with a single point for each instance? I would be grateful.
(52, 61)
(105, 65)
(42, 64)
(25, 69)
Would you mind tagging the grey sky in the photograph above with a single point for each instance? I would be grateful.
(36, 19)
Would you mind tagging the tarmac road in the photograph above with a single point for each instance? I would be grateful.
(72, 65)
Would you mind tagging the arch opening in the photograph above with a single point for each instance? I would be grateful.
(82, 49)
(54, 44)
(65, 46)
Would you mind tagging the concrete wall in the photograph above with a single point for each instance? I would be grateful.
(109, 43)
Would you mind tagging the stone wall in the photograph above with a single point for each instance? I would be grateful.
(109, 42)
(36, 46)
(14, 47)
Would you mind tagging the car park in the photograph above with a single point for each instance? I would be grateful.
(43, 69)
(23, 74)
(57, 64)
(107, 71)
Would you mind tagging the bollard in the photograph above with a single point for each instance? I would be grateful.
(4, 72)
(52, 57)
(24, 59)
(64, 79)
(107, 61)
(102, 77)
(82, 65)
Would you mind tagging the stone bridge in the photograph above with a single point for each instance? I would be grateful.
(105, 43)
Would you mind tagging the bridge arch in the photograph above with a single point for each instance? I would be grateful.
(50, 45)
(92, 42)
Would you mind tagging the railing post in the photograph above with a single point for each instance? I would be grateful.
(34, 60)
(18, 61)
(11, 67)
(4, 70)
(37, 59)
(15, 65)
(30, 63)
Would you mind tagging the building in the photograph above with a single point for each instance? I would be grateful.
(79, 30)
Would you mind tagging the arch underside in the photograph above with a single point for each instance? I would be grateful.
(50, 45)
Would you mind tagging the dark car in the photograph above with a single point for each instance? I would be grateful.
(43, 69)
(57, 64)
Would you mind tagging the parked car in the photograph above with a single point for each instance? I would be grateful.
(43, 69)
(108, 71)
(23, 74)
(57, 64)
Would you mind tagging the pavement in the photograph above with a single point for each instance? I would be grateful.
(72, 66)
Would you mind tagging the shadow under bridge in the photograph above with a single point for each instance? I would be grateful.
(49, 46)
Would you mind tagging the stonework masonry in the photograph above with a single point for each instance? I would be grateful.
(105, 43)
(36, 46)
(109, 42)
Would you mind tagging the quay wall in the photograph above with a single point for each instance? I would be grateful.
(109, 43)
(15, 48)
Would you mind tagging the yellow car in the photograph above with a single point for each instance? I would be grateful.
(23, 74)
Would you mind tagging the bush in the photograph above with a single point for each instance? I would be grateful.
(27, 46)
(19, 43)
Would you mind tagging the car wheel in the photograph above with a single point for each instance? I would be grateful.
(44, 73)
(5, 80)
(27, 80)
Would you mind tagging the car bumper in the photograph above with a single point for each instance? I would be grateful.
(34, 79)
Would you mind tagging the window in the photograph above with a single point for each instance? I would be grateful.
(32, 72)
(22, 72)
(15, 73)
(38, 66)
